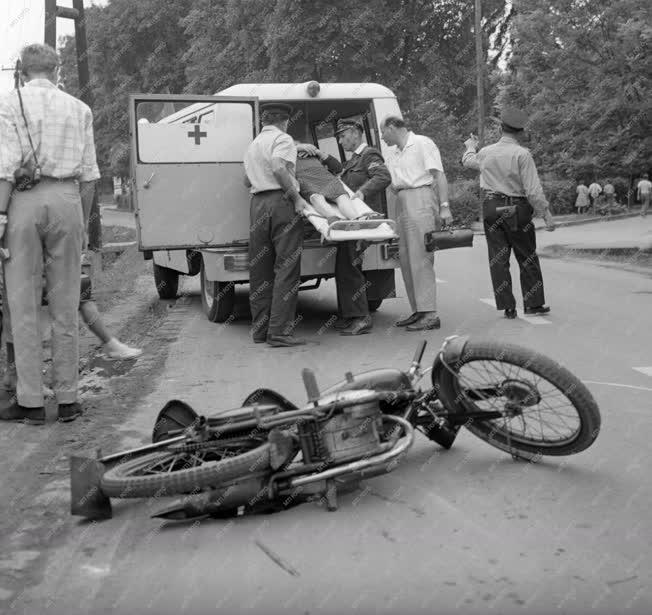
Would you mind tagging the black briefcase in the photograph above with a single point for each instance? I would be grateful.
(448, 238)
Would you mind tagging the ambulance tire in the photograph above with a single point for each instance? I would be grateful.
(167, 282)
(217, 298)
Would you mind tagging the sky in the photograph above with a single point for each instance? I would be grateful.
(23, 22)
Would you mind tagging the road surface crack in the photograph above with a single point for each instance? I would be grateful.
(276, 559)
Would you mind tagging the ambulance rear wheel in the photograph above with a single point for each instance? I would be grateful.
(167, 282)
(217, 298)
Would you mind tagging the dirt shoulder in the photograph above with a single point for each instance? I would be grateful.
(34, 467)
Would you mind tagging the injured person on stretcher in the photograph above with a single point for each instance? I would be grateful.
(333, 210)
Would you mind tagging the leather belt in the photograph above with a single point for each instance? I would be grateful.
(505, 197)
(413, 187)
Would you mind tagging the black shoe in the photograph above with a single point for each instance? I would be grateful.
(342, 323)
(358, 326)
(30, 416)
(278, 341)
(537, 311)
(410, 320)
(69, 412)
(425, 323)
(510, 313)
(260, 340)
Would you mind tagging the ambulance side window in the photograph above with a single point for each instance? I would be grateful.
(326, 140)
(190, 120)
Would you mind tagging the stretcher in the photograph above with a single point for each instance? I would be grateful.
(346, 229)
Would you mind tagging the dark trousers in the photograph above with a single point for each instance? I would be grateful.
(503, 235)
(275, 246)
(350, 281)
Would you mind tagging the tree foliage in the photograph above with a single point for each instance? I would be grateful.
(581, 67)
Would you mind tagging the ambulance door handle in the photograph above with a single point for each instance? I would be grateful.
(149, 181)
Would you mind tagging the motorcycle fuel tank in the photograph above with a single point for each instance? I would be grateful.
(386, 379)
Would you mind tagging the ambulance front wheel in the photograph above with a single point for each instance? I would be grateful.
(217, 298)
(167, 282)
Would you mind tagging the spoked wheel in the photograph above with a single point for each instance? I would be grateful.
(183, 468)
(546, 409)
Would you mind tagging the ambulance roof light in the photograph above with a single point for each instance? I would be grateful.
(312, 88)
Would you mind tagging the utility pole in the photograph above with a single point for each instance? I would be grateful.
(479, 59)
(76, 13)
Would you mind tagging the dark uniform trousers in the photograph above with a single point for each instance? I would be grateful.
(275, 246)
(506, 230)
(350, 280)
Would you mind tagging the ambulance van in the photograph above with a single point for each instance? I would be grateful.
(191, 203)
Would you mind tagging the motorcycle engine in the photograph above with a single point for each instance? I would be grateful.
(348, 434)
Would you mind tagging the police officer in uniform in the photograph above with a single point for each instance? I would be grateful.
(276, 231)
(512, 195)
(366, 174)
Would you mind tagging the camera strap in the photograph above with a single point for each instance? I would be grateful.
(22, 112)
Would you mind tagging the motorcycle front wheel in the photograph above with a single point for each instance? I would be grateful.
(546, 410)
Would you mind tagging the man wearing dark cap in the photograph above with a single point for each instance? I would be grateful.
(366, 174)
(45, 220)
(512, 195)
(276, 232)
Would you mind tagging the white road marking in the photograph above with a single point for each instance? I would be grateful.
(533, 320)
(644, 370)
(617, 384)
(441, 281)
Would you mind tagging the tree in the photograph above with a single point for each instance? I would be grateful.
(133, 47)
(582, 67)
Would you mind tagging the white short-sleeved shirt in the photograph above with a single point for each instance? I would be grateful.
(272, 142)
(61, 128)
(411, 166)
(595, 189)
(644, 186)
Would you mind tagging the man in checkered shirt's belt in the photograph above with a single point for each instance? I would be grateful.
(44, 228)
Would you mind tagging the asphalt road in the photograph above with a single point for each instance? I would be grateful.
(462, 531)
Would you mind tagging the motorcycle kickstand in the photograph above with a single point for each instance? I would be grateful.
(331, 495)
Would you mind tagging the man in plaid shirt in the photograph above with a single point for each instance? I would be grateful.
(44, 228)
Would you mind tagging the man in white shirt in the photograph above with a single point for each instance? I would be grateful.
(595, 189)
(276, 232)
(416, 169)
(643, 191)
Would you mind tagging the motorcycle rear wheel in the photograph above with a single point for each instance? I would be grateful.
(172, 472)
(537, 390)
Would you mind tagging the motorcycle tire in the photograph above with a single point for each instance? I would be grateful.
(508, 433)
(126, 480)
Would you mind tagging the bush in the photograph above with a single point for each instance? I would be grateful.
(465, 201)
(561, 195)
(622, 188)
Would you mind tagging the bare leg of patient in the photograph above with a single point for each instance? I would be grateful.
(352, 208)
(324, 208)
(346, 207)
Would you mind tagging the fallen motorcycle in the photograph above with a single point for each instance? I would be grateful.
(270, 454)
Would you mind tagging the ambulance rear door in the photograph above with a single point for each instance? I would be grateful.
(187, 169)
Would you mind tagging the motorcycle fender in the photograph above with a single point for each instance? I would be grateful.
(86, 497)
(450, 354)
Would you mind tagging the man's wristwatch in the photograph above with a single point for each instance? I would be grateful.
(444, 204)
